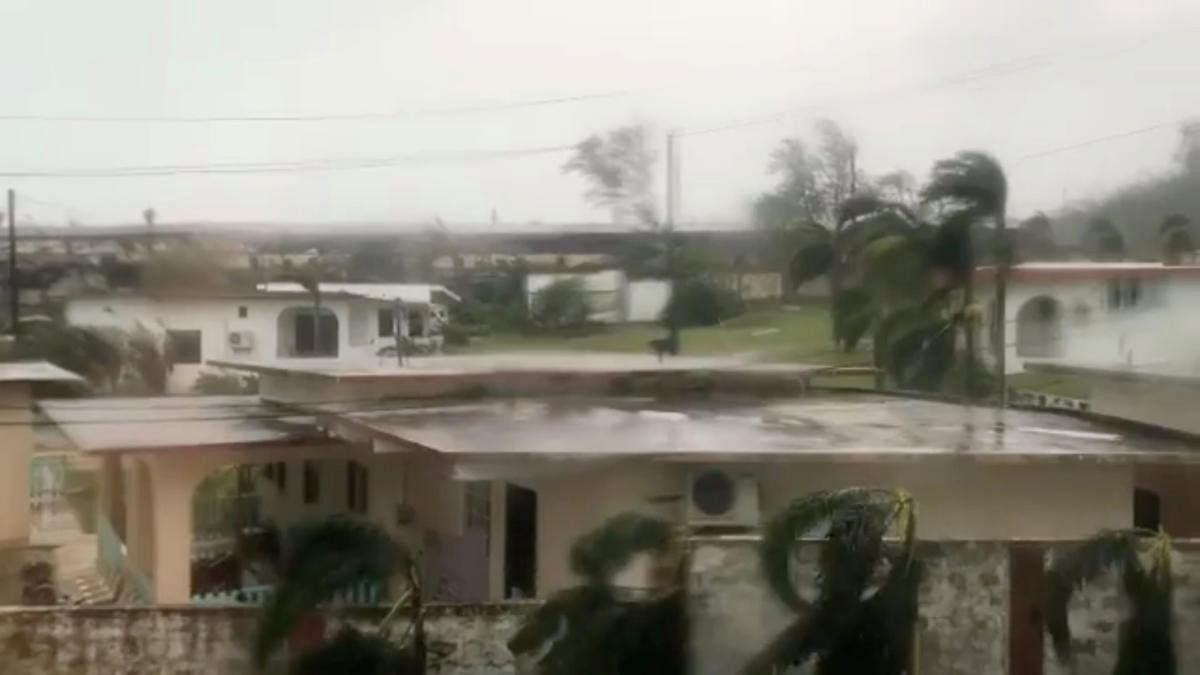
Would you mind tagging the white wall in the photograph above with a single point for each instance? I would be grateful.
(646, 299)
(1162, 327)
(216, 318)
(603, 289)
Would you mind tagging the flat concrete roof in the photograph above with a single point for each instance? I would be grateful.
(515, 362)
(175, 422)
(820, 426)
(35, 371)
(1182, 374)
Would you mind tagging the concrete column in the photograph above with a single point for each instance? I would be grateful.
(16, 453)
(111, 496)
(497, 538)
(173, 481)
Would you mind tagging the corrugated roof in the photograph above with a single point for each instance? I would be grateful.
(174, 422)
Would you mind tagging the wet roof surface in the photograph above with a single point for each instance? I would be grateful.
(35, 371)
(819, 426)
(112, 424)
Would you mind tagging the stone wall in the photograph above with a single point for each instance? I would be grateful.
(963, 599)
(463, 640)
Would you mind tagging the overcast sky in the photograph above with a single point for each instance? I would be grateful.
(1069, 71)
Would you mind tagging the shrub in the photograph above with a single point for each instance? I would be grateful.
(225, 383)
(700, 302)
(561, 305)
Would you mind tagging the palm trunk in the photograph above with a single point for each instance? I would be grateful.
(1001, 316)
(835, 287)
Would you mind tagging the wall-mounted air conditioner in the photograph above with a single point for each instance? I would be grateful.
(723, 498)
(241, 340)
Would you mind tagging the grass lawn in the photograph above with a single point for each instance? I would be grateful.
(1071, 386)
(798, 334)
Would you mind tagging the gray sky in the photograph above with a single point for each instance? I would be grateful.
(1073, 70)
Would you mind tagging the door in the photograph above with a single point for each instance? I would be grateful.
(520, 546)
(1027, 591)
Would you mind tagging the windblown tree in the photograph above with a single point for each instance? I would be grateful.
(314, 561)
(618, 167)
(597, 629)
(1035, 238)
(864, 613)
(1102, 240)
(1175, 236)
(1142, 560)
(972, 188)
(799, 220)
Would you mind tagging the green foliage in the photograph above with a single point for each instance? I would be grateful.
(317, 559)
(618, 167)
(971, 181)
(864, 612)
(852, 316)
(561, 305)
(700, 302)
(186, 268)
(353, 653)
(1146, 645)
(96, 354)
(225, 384)
(375, 261)
(148, 359)
(813, 258)
(591, 630)
(1103, 241)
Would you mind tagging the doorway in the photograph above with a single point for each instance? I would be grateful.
(520, 546)
(1027, 589)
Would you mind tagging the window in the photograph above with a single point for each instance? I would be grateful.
(243, 311)
(356, 487)
(479, 505)
(312, 483)
(1124, 294)
(277, 474)
(1147, 509)
(184, 346)
(306, 335)
(387, 322)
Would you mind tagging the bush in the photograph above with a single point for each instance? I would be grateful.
(225, 383)
(456, 334)
(561, 305)
(700, 302)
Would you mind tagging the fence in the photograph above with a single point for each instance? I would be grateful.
(47, 492)
(112, 559)
(361, 593)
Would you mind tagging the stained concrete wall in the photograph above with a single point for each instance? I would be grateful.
(213, 640)
(963, 600)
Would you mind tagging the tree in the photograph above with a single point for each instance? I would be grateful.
(973, 185)
(1146, 645)
(618, 167)
(561, 305)
(1035, 238)
(1178, 244)
(1103, 240)
(849, 626)
(699, 302)
(185, 268)
(375, 261)
(591, 629)
(315, 560)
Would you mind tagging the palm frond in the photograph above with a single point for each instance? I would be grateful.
(813, 258)
(853, 316)
(1074, 569)
(971, 180)
(802, 516)
(319, 558)
(603, 552)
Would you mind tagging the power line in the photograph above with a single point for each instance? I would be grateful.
(313, 165)
(1099, 139)
(348, 117)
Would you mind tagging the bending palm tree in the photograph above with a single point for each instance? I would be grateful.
(973, 183)
(1146, 645)
(865, 611)
(315, 561)
(592, 629)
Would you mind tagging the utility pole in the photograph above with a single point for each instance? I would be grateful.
(669, 231)
(14, 311)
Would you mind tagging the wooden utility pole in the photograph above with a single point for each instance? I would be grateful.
(14, 300)
(672, 263)
(1000, 330)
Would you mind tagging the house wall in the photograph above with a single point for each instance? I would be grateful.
(217, 318)
(1097, 332)
(646, 299)
(958, 500)
(1158, 402)
(16, 440)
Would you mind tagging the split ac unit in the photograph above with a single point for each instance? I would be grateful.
(241, 340)
(722, 498)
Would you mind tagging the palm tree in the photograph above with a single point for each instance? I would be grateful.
(864, 614)
(595, 629)
(1035, 237)
(1146, 645)
(973, 183)
(1175, 237)
(1103, 240)
(315, 560)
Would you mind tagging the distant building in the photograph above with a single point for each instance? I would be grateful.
(1099, 313)
(357, 322)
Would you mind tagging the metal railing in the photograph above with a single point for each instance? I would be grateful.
(113, 560)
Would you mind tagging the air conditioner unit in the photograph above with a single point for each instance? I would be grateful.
(723, 498)
(241, 340)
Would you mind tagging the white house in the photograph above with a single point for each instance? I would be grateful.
(1098, 313)
(274, 323)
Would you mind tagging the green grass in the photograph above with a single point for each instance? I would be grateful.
(800, 334)
(1072, 386)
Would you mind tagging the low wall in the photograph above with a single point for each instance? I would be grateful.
(463, 640)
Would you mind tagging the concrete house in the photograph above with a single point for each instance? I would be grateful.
(1101, 313)
(273, 323)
